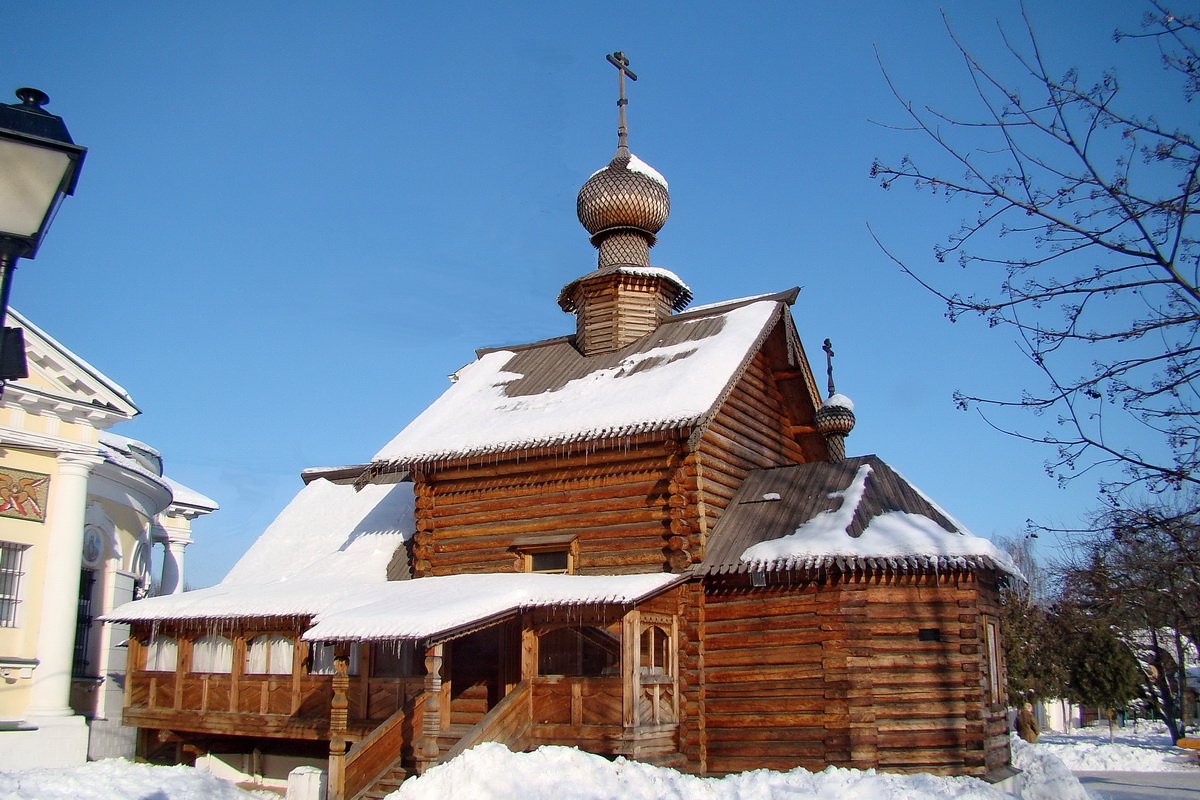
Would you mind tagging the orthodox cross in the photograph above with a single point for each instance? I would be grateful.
(828, 348)
(619, 61)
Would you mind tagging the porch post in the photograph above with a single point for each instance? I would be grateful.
(630, 657)
(339, 718)
(431, 723)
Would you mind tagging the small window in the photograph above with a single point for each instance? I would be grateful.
(551, 561)
(929, 635)
(11, 570)
(212, 654)
(992, 646)
(321, 655)
(396, 660)
(269, 654)
(656, 651)
(162, 654)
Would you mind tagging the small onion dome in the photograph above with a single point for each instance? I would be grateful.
(835, 416)
(627, 193)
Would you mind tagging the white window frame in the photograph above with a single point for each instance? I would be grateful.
(12, 559)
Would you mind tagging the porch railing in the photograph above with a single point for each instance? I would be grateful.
(373, 757)
(508, 723)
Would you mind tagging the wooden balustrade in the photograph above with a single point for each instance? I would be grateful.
(374, 756)
(508, 723)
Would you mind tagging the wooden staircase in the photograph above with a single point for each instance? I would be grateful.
(385, 784)
(471, 722)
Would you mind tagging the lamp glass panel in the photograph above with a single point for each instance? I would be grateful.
(30, 177)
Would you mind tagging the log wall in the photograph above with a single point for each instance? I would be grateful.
(837, 673)
(615, 502)
(752, 430)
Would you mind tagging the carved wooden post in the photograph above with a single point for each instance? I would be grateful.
(339, 717)
(431, 725)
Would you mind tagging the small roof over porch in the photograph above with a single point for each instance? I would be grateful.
(431, 609)
(443, 608)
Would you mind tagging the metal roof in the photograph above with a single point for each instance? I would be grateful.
(773, 503)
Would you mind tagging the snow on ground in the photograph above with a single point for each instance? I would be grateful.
(491, 772)
(118, 779)
(1145, 747)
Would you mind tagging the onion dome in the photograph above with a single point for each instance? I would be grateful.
(835, 416)
(626, 202)
(834, 420)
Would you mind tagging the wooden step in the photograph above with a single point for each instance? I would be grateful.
(389, 783)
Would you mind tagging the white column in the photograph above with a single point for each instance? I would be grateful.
(50, 695)
(175, 535)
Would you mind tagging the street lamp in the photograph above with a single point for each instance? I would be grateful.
(39, 166)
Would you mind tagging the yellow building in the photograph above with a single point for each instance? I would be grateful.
(80, 512)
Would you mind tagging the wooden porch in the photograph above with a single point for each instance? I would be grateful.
(633, 710)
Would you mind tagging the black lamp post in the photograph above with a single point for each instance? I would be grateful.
(39, 165)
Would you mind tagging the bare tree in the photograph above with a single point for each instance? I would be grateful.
(1136, 569)
(1082, 203)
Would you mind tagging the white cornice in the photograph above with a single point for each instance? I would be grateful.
(26, 440)
(76, 390)
(146, 496)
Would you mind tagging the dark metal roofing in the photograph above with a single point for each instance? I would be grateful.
(773, 503)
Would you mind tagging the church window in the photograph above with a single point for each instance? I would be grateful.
(321, 655)
(212, 654)
(11, 571)
(162, 654)
(269, 654)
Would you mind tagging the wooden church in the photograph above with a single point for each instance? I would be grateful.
(642, 539)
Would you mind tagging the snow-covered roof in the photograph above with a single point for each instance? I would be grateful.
(328, 543)
(851, 514)
(438, 607)
(187, 496)
(330, 531)
(548, 394)
(133, 455)
(421, 608)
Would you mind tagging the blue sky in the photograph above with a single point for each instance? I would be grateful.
(296, 219)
